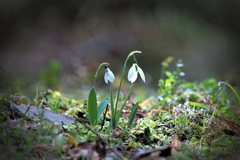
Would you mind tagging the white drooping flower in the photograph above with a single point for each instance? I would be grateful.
(108, 76)
(133, 73)
(180, 63)
(182, 74)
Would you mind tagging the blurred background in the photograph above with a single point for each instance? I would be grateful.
(59, 44)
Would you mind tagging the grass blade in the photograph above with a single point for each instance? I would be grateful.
(234, 91)
(92, 107)
(132, 115)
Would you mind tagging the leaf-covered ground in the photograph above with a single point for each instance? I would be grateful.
(185, 120)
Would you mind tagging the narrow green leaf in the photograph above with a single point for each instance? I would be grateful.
(123, 105)
(92, 107)
(102, 107)
(132, 115)
(197, 104)
(233, 89)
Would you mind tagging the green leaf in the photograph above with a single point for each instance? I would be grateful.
(169, 74)
(132, 115)
(197, 104)
(92, 107)
(120, 110)
(102, 107)
(161, 83)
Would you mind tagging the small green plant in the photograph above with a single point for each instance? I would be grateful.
(42, 98)
(168, 86)
(199, 120)
(95, 112)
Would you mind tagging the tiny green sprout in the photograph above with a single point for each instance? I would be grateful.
(108, 76)
(133, 72)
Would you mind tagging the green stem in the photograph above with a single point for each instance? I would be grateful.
(162, 72)
(95, 77)
(204, 122)
(203, 128)
(123, 71)
(200, 145)
(112, 107)
(212, 115)
(36, 98)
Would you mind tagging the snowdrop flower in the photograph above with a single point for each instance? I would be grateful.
(182, 74)
(180, 63)
(109, 76)
(133, 73)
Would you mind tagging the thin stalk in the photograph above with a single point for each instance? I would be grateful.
(95, 77)
(162, 72)
(212, 115)
(36, 94)
(200, 145)
(204, 122)
(112, 106)
(204, 127)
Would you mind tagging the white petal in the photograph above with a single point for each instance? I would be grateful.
(182, 74)
(140, 71)
(134, 77)
(110, 76)
(106, 77)
(180, 65)
(131, 72)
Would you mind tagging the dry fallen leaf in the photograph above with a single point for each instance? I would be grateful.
(72, 140)
(145, 103)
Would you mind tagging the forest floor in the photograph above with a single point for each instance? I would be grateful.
(187, 120)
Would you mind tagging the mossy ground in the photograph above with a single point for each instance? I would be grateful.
(185, 120)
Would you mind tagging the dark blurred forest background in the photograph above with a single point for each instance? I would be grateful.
(60, 43)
